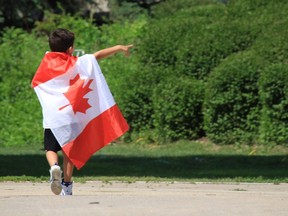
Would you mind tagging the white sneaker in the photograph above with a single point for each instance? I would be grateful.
(55, 179)
(66, 188)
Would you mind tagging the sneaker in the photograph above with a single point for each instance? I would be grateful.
(66, 188)
(55, 179)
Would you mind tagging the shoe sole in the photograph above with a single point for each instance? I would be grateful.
(56, 187)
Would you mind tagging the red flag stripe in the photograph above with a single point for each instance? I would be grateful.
(53, 64)
(99, 132)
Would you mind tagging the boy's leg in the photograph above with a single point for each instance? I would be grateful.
(52, 146)
(67, 183)
(67, 168)
(55, 172)
(52, 158)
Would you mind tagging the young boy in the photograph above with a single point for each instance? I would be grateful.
(62, 41)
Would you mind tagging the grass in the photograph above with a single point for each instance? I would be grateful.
(179, 161)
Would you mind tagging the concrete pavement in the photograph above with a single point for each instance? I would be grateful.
(142, 198)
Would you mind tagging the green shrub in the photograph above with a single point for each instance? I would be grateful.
(273, 45)
(186, 45)
(118, 69)
(177, 106)
(169, 8)
(164, 42)
(204, 48)
(20, 110)
(159, 42)
(124, 10)
(273, 48)
(273, 87)
(246, 8)
(86, 34)
(21, 53)
(196, 45)
(137, 97)
(123, 75)
(231, 104)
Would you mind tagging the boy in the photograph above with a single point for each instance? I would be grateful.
(61, 43)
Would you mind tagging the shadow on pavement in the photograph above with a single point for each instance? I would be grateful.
(195, 166)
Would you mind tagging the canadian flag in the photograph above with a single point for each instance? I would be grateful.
(77, 105)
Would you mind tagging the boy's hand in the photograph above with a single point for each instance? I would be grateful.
(125, 49)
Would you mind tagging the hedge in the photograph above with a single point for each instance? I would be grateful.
(177, 105)
(273, 87)
(169, 8)
(137, 96)
(231, 103)
(20, 111)
(183, 42)
(21, 53)
(194, 71)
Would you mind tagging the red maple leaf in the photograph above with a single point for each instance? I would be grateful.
(75, 94)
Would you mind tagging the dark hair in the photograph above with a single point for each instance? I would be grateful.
(60, 40)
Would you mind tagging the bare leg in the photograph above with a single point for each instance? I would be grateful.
(55, 172)
(52, 157)
(67, 168)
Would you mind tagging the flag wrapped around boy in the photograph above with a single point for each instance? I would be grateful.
(77, 105)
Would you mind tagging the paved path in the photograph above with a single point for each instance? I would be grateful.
(141, 199)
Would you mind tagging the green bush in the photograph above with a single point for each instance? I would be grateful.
(86, 34)
(196, 45)
(123, 74)
(124, 10)
(177, 109)
(204, 48)
(211, 43)
(19, 108)
(273, 87)
(169, 8)
(137, 97)
(118, 69)
(21, 53)
(159, 42)
(183, 47)
(246, 8)
(273, 46)
(231, 104)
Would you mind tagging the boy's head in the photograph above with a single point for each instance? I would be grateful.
(61, 40)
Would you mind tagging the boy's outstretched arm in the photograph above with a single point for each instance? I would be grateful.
(112, 50)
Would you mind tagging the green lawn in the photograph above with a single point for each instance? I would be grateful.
(180, 161)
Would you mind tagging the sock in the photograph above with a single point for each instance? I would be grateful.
(66, 183)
